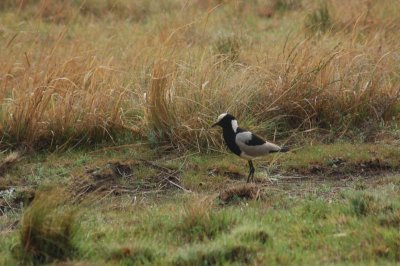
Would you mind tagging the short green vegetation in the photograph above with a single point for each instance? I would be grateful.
(101, 215)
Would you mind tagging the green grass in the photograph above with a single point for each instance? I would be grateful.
(306, 231)
(333, 221)
(342, 158)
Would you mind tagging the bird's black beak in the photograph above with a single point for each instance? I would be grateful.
(213, 125)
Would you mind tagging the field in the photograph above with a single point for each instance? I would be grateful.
(107, 155)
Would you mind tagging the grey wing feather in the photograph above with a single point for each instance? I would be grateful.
(247, 144)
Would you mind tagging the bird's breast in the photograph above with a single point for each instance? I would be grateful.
(229, 138)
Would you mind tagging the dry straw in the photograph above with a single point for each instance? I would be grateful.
(61, 90)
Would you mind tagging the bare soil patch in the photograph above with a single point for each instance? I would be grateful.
(342, 167)
(116, 178)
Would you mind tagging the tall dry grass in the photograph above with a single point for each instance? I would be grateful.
(55, 98)
(90, 72)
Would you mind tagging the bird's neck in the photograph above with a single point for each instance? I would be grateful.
(229, 132)
(229, 137)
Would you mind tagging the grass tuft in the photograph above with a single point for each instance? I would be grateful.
(221, 254)
(390, 219)
(258, 235)
(199, 223)
(160, 111)
(239, 192)
(132, 256)
(228, 47)
(47, 229)
(8, 162)
(319, 20)
(286, 5)
(363, 204)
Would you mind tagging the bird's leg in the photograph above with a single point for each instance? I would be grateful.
(251, 172)
(248, 178)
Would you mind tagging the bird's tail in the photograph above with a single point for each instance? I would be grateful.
(284, 149)
(280, 149)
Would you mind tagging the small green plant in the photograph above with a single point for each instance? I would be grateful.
(320, 20)
(315, 209)
(229, 47)
(362, 204)
(286, 5)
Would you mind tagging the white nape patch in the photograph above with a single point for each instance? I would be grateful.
(221, 116)
(234, 125)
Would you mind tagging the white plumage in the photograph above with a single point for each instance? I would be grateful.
(244, 143)
(251, 152)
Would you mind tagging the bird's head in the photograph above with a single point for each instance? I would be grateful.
(226, 121)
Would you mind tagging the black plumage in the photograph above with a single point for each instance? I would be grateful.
(244, 143)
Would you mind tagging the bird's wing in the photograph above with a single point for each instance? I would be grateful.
(255, 140)
(254, 146)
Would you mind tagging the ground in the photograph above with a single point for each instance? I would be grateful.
(133, 205)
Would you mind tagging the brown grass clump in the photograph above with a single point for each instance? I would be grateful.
(47, 229)
(63, 11)
(132, 255)
(199, 222)
(160, 112)
(8, 162)
(238, 192)
(5, 4)
(236, 253)
(53, 100)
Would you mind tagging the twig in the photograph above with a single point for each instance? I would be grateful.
(154, 165)
(11, 208)
(178, 186)
(168, 172)
(116, 147)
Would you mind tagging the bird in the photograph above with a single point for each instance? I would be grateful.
(244, 143)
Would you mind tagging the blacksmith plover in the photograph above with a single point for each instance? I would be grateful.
(244, 143)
